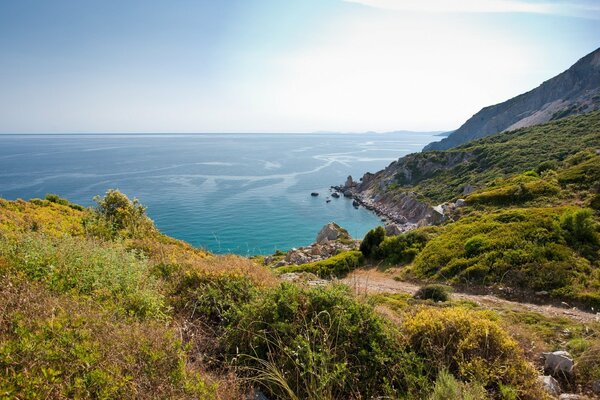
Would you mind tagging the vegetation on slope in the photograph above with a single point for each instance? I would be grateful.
(433, 176)
(97, 304)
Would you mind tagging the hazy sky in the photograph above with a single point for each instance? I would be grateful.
(278, 65)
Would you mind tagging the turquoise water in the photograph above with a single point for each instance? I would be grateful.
(229, 193)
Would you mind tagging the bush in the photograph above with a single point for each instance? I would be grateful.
(336, 266)
(472, 348)
(433, 292)
(401, 249)
(54, 198)
(447, 387)
(116, 215)
(522, 248)
(212, 298)
(320, 344)
(580, 226)
(371, 241)
(546, 166)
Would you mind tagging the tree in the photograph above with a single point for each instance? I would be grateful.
(371, 241)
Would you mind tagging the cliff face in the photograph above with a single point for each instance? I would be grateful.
(375, 191)
(575, 91)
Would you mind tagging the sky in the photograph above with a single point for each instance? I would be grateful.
(69, 66)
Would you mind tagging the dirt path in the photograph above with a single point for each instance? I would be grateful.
(373, 281)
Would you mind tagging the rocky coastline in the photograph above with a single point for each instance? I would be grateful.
(399, 211)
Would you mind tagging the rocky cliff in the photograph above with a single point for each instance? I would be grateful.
(575, 91)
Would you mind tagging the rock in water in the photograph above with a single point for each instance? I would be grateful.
(314, 194)
(349, 182)
(331, 231)
(335, 195)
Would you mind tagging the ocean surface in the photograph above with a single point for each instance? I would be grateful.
(229, 193)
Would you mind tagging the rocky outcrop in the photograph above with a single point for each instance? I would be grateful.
(550, 385)
(558, 363)
(331, 231)
(574, 91)
(330, 240)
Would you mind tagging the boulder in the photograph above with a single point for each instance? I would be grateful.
(468, 189)
(558, 363)
(550, 384)
(347, 193)
(570, 396)
(335, 195)
(297, 257)
(314, 194)
(331, 231)
(392, 230)
(460, 203)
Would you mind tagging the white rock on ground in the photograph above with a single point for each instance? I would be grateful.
(550, 384)
(558, 363)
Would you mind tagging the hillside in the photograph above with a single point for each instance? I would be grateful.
(527, 217)
(575, 91)
(437, 177)
(96, 303)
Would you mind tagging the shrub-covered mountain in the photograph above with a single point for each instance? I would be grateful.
(528, 217)
(447, 175)
(575, 91)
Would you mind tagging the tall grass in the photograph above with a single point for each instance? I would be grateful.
(83, 267)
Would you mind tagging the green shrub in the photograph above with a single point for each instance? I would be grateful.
(211, 298)
(336, 266)
(587, 367)
(546, 166)
(321, 344)
(447, 387)
(580, 226)
(401, 249)
(116, 215)
(472, 348)
(54, 198)
(371, 241)
(525, 248)
(433, 292)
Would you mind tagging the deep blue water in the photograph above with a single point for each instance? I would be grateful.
(238, 193)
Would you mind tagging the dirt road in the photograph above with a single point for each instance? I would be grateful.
(373, 281)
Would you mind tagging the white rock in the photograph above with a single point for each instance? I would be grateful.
(331, 231)
(558, 363)
(550, 384)
(570, 396)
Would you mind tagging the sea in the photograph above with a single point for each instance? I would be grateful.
(246, 194)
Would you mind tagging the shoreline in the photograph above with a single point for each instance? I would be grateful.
(388, 217)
